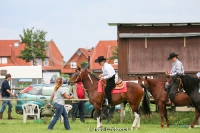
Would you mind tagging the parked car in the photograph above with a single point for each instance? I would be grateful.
(53, 80)
(38, 93)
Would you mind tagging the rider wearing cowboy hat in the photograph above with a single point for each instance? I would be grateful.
(177, 68)
(109, 75)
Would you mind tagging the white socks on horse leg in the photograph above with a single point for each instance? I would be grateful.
(98, 122)
(136, 121)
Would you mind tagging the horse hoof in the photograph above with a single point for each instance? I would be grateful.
(189, 127)
(137, 128)
(132, 128)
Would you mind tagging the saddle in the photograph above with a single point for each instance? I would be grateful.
(118, 85)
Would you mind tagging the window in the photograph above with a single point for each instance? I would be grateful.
(39, 62)
(16, 44)
(115, 61)
(73, 65)
(3, 60)
(46, 62)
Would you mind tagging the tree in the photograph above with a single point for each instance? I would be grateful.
(84, 65)
(35, 45)
(65, 76)
(114, 53)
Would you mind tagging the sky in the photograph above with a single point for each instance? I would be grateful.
(83, 23)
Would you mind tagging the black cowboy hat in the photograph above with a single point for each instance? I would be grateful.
(7, 75)
(172, 55)
(100, 59)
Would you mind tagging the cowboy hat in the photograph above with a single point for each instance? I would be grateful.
(100, 59)
(172, 55)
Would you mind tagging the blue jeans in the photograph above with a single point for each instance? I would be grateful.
(4, 103)
(60, 110)
(78, 106)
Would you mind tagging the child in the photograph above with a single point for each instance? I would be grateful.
(58, 96)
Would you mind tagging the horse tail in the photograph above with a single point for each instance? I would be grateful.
(146, 102)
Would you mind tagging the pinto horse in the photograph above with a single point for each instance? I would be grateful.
(191, 86)
(156, 88)
(133, 95)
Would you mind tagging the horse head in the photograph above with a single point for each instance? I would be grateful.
(143, 82)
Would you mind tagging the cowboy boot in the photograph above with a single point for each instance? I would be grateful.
(1, 115)
(9, 115)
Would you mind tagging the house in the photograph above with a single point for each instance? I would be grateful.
(9, 50)
(80, 55)
(103, 48)
(51, 66)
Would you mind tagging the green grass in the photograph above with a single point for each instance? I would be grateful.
(148, 125)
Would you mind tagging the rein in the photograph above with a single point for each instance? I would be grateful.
(180, 84)
(82, 80)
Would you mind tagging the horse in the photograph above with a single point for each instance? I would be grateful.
(191, 86)
(133, 95)
(156, 88)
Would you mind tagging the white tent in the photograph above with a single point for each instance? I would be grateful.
(22, 71)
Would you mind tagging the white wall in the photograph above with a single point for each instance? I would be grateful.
(48, 75)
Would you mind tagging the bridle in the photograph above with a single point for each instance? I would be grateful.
(81, 79)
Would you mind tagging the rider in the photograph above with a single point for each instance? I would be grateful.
(109, 75)
(177, 68)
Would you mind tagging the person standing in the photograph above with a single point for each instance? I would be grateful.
(177, 68)
(5, 93)
(77, 105)
(109, 75)
(58, 96)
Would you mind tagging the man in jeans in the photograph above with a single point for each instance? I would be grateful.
(76, 104)
(5, 93)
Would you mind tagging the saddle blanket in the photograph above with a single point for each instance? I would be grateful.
(114, 90)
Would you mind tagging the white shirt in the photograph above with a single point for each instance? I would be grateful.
(177, 68)
(108, 71)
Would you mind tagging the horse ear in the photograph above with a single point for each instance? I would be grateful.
(139, 78)
(79, 68)
(145, 77)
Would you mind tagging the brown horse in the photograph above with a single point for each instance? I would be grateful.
(133, 95)
(156, 88)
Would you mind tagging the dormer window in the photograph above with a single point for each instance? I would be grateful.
(16, 44)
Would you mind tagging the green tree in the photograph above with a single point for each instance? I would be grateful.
(35, 45)
(84, 65)
(114, 53)
(65, 76)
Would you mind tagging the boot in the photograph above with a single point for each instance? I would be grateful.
(1, 115)
(9, 115)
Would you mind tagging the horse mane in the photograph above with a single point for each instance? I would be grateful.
(189, 82)
(92, 75)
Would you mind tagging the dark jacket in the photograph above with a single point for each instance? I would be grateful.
(5, 85)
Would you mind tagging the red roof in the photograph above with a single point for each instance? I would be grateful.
(103, 48)
(8, 48)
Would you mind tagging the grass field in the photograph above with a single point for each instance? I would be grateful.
(148, 125)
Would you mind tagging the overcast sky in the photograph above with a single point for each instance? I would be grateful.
(82, 23)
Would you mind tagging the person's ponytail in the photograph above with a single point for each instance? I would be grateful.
(58, 84)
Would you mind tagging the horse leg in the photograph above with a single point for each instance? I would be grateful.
(197, 115)
(162, 112)
(137, 116)
(166, 118)
(98, 113)
(136, 122)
